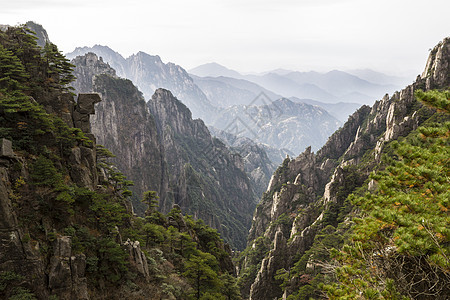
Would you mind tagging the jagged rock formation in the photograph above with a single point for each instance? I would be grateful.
(205, 179)
(306, 193)
(134, 140)
(161, 148)
(149, 73)
(65, 269)
(227, 91)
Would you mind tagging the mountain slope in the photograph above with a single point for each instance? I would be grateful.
(205, 179)
(305, 211)
(226, 91)
(214, 70)
(67, 228)
(341, 83)
(340, 110)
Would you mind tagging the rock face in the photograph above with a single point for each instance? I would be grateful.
(123, 124)
(67, 272)
(290, 214)
(149, 73)
(205, 178)
(160, 147)
(86, 67)
(15, 255)
(257, 162)
(56, 270)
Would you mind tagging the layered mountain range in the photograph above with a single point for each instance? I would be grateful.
(69, 224)
(216, 99)
(281, 123)
(330, 87)
(149, 73)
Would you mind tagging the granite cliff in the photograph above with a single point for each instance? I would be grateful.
(162, 148)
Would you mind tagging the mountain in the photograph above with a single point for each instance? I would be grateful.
(40, 33)
(67, 227)
(260, 160)
(378, 77)
(135, 140)
(330, 87)
(289, 88)
(113, 58)
(214, 70)
(205, 178)
(149, 73)
(308, 208)
(342, 84)
(226, 91)
(279, 124)
(340, 110)
(162, 148)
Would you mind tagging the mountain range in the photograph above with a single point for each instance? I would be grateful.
(280, 124)
(330, 87)
(212, 99)
(149, 73)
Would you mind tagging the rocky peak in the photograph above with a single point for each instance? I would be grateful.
(86, 68)
(39, 32)
(437, 69)
(169, 110)
(202, 171)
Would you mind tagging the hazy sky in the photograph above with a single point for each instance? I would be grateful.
(249, 35)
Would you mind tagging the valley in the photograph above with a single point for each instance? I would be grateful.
(135, 178)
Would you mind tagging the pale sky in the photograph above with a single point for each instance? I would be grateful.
(392, 36)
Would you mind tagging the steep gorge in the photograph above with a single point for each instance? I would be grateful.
(160, 147)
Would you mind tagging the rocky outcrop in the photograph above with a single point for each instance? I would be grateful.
(137, 258)
(83, 109)
(86, 68)
(436, 73)
(134, 140)
(15, 255)
(304, 191)
(39, 32)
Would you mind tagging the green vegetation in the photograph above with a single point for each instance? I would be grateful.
(186, 259)
(399, 246)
